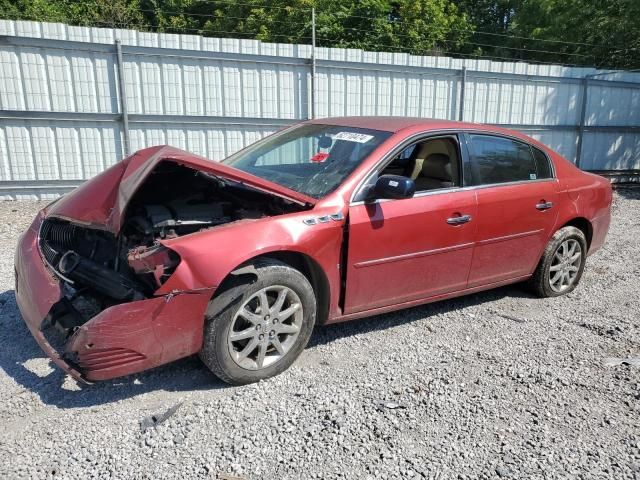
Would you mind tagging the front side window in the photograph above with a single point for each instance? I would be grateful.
(312, 159)
(432, 164)
(500, 160)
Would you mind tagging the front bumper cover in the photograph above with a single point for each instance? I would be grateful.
(37, 291)
(120, 340)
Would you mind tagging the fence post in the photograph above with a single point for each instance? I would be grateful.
(312, 95)
(123, 102)
(463, 84)
(583, 116)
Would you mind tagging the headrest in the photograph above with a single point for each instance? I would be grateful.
(438, 166)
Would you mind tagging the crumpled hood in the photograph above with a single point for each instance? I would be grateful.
(101, 201)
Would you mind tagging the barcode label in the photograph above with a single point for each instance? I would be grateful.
(352, 137)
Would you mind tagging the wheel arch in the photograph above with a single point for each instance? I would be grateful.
(583, 225)
(302, 262)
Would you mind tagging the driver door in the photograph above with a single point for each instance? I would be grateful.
(415, 248)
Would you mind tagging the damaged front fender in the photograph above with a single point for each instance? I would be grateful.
(121, 339)
(106, 277)
(135, 336)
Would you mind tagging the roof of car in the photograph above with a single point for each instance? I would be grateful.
(394, 124)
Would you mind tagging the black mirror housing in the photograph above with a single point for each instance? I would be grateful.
(393, 187)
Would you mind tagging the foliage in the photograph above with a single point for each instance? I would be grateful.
(102, 13)
(603, 33)
(412, 26)
(606, 32)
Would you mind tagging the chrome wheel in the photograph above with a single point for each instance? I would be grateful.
(265, 327)
(565, 265)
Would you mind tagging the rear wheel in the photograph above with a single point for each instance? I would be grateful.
(258, 327)
(562, 264)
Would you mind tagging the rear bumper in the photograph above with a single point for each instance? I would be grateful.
(600, 227)
(122, 339)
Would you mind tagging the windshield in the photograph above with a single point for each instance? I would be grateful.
(312, 159)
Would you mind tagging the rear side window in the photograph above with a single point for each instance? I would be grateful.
(542, 164)
(500, 160)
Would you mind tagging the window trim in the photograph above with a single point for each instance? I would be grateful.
(544, 154)
(461, 134)
(414, 140)
(473, 167)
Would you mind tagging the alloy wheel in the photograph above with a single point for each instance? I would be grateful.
(565, 265)
(265, 327)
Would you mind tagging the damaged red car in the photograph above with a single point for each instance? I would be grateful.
(167, 254)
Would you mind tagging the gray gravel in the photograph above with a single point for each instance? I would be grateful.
(495, 385)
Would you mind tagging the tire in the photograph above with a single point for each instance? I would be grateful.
(237, 329)
(555, 263)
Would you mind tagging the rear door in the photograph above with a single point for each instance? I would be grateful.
(517, 207)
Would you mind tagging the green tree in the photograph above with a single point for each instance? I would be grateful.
(36, 10)
(420, 26)
(102, 13)
(493, 16)
(603, 33)
(584, 32)
(599, 33)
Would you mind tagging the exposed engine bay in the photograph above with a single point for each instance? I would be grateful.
(99, 269)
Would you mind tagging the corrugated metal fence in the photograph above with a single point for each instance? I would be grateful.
(63, 118)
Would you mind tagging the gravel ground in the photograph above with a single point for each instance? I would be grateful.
(497, 384)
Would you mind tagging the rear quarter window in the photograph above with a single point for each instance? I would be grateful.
(501, 160)
(543, 164)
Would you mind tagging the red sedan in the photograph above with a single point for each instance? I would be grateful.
(167, 254)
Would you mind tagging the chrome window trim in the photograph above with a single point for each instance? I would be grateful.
(518, 140)
(551, 164)
(439, 191)
(386, 159)
(440, 133)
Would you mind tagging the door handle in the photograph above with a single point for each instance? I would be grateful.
(544, 205)
(459, 220)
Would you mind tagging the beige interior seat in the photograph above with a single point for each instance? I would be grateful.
(436, 173)
(435, 164)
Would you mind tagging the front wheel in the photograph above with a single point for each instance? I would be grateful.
(257, 328)
(561, 265)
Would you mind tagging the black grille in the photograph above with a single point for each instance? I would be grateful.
(56, 237)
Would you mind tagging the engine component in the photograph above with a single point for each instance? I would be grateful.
(64, 316)
(157, 260)
(242, 213)
(58, 236)
(180, 214)
(91, 274)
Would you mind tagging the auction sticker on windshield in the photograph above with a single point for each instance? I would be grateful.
(352, 137)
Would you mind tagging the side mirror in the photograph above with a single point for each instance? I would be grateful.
(394, 187)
